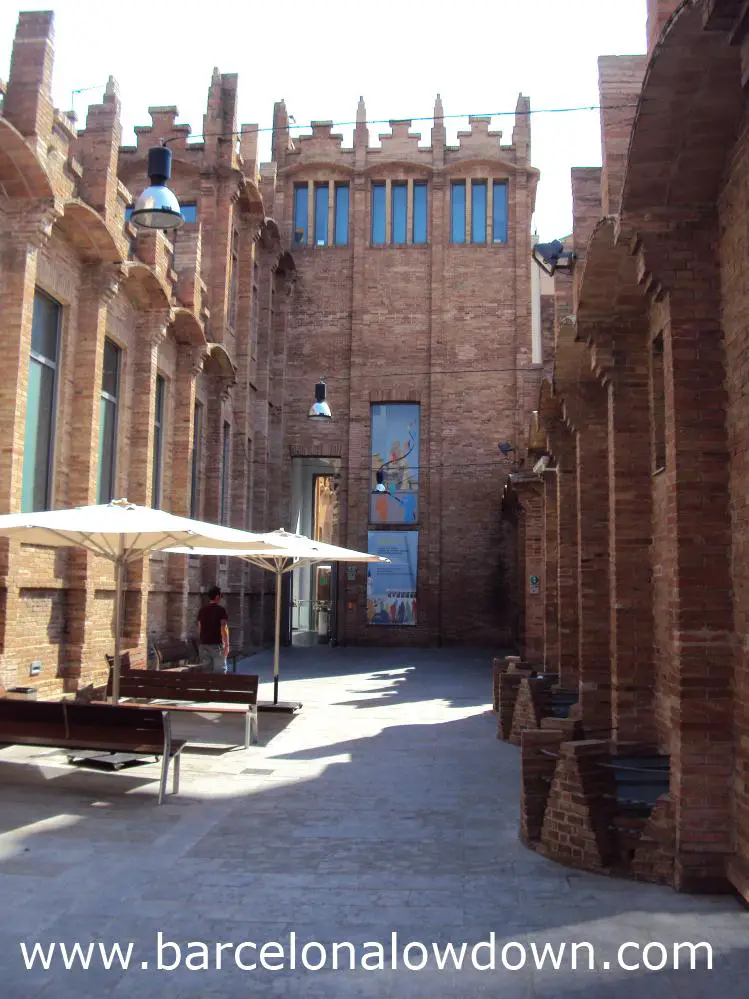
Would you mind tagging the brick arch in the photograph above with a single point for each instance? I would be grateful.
(549, 404)
(187, 329)
(146, 289)
(573, 373)
(21, 173)
(687, 118)
(609, 290)
(219, 363)
(269, 236)
(250, 198)
(85, 229)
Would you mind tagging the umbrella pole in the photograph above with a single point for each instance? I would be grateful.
(277, 646)
(119, 573)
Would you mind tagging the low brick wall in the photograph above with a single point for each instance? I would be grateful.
(576, 823)
(532, 704)
(539, 752)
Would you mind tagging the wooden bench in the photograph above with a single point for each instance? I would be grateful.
(173, 652)
(78, 728)
(131, 659)
(224, 692)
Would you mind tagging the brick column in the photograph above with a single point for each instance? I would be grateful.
(85, 573)
(151, 330)
(564, 448)
(551, 572)
(700, 657)
(531, 496)
(189, 365)
(630, 522)
(593, 561)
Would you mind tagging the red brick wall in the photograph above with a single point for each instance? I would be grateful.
(735, 292)
(442, 325)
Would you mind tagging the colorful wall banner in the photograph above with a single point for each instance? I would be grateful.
(391, 589)
(395, 454)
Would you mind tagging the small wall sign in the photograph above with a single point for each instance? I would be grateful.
(535, 584)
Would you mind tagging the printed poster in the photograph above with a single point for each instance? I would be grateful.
(391, 589)
(395, 456)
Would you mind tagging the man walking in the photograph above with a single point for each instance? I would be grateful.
(213, 627)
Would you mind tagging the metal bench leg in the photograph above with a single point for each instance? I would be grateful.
(164, 775)
(175, 774)
(255, 734)
(248, 730)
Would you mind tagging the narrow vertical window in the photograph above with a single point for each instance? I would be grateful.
(224, 497)
(499, 221)
(108, 406)
(158, 441)
(458, 211)
(420, 212)
(234, 279)
(197, 447)
(40, 405)
(399, 211)
(341, 214)
(321, 214)
(658, 404)
(301, 203)
(378, 213)
(478, 211)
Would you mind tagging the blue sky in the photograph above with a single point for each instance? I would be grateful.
(320, 57)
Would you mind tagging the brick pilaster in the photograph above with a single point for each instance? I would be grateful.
(630, 520)
(593, 562)
(189, 365)
(551, 572)
(531, 496)
(700, 656)
(564, 447)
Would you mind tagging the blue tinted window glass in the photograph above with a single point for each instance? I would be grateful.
(458, 212)
(478, 211)
(189, 213)
(399, 199)
(129, 213)
(499, 227)
(341, 214)
(420, 213)
(300, 214)
(378, 214)
(321, 214)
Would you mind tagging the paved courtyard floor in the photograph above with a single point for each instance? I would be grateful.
(387, 806)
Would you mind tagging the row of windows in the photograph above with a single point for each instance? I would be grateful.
(486, 224)
(41, 420)
(408, 214)
(321, 214)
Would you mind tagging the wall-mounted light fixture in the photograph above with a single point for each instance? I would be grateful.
(550, 257)
(320, 410)
(157, 207)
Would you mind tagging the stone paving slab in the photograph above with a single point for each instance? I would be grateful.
(387, 805)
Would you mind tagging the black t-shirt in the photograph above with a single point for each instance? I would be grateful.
(209, 622)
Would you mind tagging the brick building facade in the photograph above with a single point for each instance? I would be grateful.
(179, 371)
(420, 299)
(638, 527)
(135, 366)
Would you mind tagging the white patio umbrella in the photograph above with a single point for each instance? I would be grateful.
(123, 532)
(287, 552)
